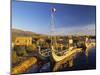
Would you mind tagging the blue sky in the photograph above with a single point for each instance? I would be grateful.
(69, 19)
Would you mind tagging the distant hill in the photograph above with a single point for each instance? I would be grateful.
(19, 32)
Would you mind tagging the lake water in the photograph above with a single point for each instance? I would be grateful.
(81, 62)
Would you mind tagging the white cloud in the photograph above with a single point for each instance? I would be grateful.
(82, 30)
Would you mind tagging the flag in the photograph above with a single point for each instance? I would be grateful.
(53, 9)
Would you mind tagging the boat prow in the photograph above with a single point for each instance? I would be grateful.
(66, 55)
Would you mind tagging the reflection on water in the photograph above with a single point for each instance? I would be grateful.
(81, 62)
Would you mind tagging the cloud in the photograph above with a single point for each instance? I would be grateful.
(81, 30)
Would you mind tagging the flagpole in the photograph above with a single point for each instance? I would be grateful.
(53, 10)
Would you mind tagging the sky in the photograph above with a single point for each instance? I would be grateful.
(69, 19)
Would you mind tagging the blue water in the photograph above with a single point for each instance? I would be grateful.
(83, 62)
